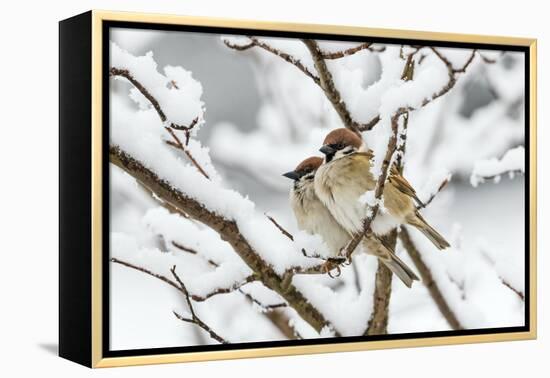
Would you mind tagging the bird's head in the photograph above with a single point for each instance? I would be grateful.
(305, 170)
(341, 142)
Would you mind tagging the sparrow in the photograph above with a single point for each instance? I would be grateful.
(314, 217)
(345, 176)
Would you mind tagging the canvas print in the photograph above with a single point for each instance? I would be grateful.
(283, 189)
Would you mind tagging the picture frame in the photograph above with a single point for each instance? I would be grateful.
(84, 257)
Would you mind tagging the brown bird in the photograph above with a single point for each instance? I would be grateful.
(346, 176)
(313, 217)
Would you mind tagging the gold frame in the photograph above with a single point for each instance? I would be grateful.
(99, 16)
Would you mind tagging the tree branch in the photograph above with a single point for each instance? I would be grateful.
(428, 280)
(285, 232)
(281, 54)
(178, 145)
(224, 290)
(228, 231)
(433, 195)
(378, 322)
(194, 318)
(350, 51)
(326, 83)
(379, 189)
(187, 129)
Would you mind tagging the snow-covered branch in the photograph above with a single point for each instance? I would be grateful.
(428, 280)
(379, 189)
(228, 231)
(512, 163)
(194, 319)
(178, 285)
(350, 51)
(326, 83)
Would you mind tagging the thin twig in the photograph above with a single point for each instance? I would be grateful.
(264, 307)
(194, 317)
(192, 251)
(519, 293)
(433, 195)
(428, 280)
(281, 54)
(350, 51)
(225, 290)
(177, 144)
(285, 232)
(379, 189)
(146, 271)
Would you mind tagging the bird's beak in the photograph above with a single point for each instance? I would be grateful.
(292, 175)
(327, 150)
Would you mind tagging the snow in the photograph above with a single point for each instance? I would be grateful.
(512, 162)
(180, 105)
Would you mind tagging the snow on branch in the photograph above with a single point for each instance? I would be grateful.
(326, 82)
(512, 163)
(379, 189)
(428, 280)
(178, 285)
(194, 319)
(230, 231)
(350, 51)
(127, 60)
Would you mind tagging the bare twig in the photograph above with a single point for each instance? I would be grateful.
(428, 280)
(519, 293)
(281, 54)
(433, 195)
(350, 51)
(146, 271)
(177, 144)
(192, 251)
(196, 298)
(451, 72)
(194, 317)
(285, 232)
(492, 261)
(225, 290)
(263, 306)
(228, 231)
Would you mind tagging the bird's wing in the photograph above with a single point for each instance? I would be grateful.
(401, 183)
(368, 154)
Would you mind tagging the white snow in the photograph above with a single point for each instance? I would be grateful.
(512, 162)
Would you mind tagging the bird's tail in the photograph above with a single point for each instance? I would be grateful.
(400, 269)
(376, 246)
(435, 237)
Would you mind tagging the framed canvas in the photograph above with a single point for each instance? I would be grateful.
(235, 189)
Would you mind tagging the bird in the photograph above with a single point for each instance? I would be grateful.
(346, 176)
(313, 217)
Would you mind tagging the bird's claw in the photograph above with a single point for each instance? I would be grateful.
(331, 264)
